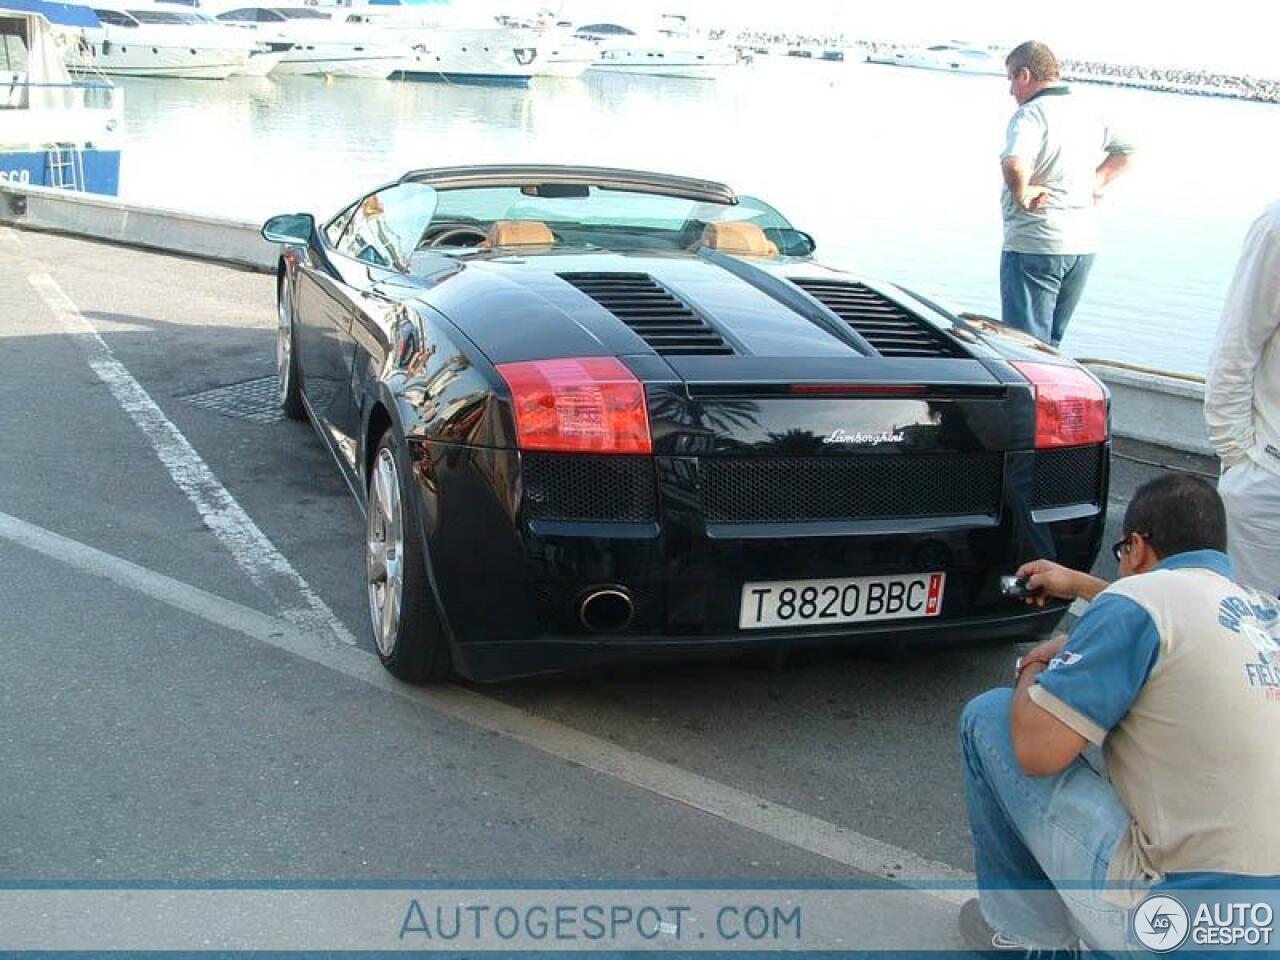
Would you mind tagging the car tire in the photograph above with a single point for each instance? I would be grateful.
(288, 385)
(409, 637)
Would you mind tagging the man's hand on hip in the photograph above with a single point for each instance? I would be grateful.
(1034, 197)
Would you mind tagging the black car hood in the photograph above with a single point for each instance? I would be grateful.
(527, 307)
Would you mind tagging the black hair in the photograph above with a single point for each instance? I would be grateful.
(1177, 512)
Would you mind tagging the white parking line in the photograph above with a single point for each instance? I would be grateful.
(785, 824)
(252, 550)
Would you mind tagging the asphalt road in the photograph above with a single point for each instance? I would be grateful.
(158, 728)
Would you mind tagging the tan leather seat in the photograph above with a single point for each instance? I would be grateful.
(519, 233)
(743, 239)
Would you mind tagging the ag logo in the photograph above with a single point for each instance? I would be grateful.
(1160, 923)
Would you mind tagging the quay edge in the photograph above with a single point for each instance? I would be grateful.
(1161, 408)
(92, 216)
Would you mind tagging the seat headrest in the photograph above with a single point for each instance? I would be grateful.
(745, 239)
(520, 233)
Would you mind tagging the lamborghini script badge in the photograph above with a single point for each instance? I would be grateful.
(863, 439)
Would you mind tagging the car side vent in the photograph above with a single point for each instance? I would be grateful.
(667, 324)
(892, 330)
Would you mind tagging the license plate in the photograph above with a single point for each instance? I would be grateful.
(809, 603)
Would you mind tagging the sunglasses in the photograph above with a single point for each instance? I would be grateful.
(1123, 546)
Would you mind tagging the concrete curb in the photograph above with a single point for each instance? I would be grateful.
(1155, 407)
(49, 209)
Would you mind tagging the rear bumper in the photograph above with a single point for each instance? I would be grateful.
(489, 662)
(510, 586)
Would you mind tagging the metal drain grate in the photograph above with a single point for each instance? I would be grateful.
(255, 400)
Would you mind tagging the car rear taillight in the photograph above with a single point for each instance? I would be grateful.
(584, 405)
(1071, 407)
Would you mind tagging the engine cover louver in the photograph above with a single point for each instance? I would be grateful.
(663, 321)
(892, 330)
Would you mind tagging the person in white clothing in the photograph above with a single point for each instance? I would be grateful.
(1242, 407)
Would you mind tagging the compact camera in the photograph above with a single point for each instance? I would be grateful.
(1015, 588)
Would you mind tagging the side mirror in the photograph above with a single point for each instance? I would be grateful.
(293, 228)
(791, 242)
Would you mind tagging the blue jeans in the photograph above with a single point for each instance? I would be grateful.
(1042, 844)
(1039, 291)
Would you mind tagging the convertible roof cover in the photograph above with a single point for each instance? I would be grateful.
(520, 175)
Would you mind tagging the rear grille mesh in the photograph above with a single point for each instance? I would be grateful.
(892, 330)
(662, 320)
(1067, 476)
(571, 486)
(760, 490)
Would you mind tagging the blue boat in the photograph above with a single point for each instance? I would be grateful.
(54, 131)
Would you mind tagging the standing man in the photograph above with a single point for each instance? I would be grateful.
(1052, 181)
(1242, 407)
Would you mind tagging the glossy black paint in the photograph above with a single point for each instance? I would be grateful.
(417, 353)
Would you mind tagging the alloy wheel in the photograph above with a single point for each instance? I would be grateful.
(384, 553)
(284, 340)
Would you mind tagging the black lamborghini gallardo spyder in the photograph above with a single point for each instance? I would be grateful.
(598, 413)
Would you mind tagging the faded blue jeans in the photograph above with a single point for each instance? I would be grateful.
(1039, 291)
(1042, 844)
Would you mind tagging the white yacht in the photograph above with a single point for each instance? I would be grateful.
(470, 56)
(321, 45)
(561, 54)
(953, 57)
(142, 40)
(263, 55)
(452, 44)
(54, 131)
(669, 51)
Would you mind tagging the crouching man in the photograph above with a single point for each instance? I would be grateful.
(1173, 671)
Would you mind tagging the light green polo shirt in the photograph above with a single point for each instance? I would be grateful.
(1062, 139)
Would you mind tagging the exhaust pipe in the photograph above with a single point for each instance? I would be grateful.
(606, 610)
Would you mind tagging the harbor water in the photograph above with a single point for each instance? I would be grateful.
(895, 172)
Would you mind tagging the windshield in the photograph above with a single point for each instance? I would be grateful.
(405, 218)
(164, 16)
(301, 13)
(13, 45)
(599, 209)
(387, 228)
(116, 18)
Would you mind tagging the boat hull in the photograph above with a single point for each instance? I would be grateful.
(33, 168)
(483, 57)
(684, 60)
(419, 75)
(146, 60)
(261, 64)
(563, 69)
(370, 68)
(943, 65)
(691, 71)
